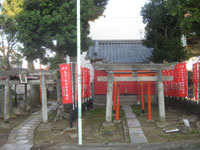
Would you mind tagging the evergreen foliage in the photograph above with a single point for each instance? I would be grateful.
(42, 22)
(188, 15)
(162, 32)
(9, 54)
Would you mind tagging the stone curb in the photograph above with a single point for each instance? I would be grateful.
(146, 146)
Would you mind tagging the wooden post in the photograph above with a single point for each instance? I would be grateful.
(149, 100)
(25, 97)
(138, 92)
(7, 101)
(156, 93)
(11, 103)
(109, 98)
(118, 102)
(142, 96)
(44, 100)
(15, 103)
(161, 100)
(73, 78)
(114, 95)
(2, 99)
(58, 87)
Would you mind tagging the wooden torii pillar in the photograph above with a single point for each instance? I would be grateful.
(110, 68)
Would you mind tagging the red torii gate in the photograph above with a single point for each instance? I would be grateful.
(129, 74)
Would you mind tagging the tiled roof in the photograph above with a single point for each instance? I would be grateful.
(119, 51)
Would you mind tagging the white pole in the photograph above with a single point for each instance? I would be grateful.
(79, 74)
(197, 83)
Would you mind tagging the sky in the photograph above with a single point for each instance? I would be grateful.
(121, 20)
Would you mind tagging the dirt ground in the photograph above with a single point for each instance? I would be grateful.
(6, 128)
(93, 130)
(174, 120)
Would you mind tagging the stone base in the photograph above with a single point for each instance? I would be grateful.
(184, 129)
(150, 121)
(117, 121)
(108, 124)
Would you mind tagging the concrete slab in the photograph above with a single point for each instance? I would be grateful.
(16, 147)
(127, 108)
(22, 142)
(135, 131)
(21, 138)
(130, 116)
(133, 123)
(138, 138)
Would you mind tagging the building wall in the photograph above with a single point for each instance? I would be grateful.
(129, 88)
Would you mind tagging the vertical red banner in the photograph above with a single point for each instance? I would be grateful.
(82, 81)
(76, 85)
(171, 83)
(85, 82)
(198, 80)
(181, 80)
(167, 84)
(89, 83)
(176, 91)
(66, 83)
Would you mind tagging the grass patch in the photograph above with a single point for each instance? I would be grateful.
(96, 115)
(122, 114)
(136, 109)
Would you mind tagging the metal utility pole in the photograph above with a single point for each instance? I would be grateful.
(79, 74)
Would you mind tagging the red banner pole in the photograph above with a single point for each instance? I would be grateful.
(142, 96)
(114, 95)
(118, 97)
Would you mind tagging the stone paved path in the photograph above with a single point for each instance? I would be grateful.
(135, 131)
(22, 137)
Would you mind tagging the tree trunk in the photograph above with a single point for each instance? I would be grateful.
(198, 45)
(166, 33)
(61, 56)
